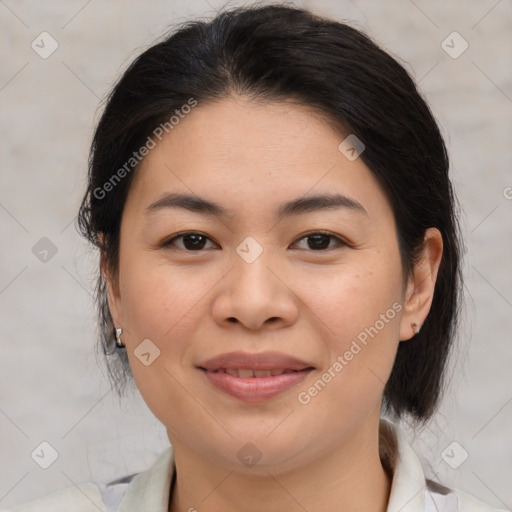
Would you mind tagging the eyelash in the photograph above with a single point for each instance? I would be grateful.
(340, 242)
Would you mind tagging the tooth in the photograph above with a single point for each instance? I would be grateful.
(245, 373)
(275, 372)
(262, 373)
(234, 373)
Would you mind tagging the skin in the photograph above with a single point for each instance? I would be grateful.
(250, 157)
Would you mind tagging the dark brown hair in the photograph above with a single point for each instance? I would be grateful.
(279, 52)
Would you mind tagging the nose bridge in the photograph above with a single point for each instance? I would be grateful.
(252, 275)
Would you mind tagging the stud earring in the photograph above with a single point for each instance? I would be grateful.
(415, 328)
(119, 343)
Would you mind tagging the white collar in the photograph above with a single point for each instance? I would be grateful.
(408, 484)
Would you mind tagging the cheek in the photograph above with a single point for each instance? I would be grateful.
(359, 308)
(163, 304)
(167, 305)
(159, 299)
(353, 297)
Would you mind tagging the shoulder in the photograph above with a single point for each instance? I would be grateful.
(81, 498)
(442, 499)
(147, 490)
(468, 503)
(408, 477)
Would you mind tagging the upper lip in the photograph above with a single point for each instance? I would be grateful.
(259, 361)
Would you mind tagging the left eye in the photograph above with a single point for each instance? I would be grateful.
(193, 241)
(320, 241)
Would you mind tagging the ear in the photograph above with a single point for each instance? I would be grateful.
(113, 295)
(421, 284)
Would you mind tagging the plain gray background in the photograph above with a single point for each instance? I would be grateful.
(52, 387)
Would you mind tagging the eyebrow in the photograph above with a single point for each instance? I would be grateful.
(297, 206)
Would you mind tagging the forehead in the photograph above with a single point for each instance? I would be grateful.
(251, 132)
(248, 153)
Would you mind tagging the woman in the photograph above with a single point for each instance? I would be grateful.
(279, 267)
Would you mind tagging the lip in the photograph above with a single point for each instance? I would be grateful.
(253, 389)
(256, 361)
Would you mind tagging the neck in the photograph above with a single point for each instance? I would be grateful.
(349, 477)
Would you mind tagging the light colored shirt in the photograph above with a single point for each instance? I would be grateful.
(150, 490)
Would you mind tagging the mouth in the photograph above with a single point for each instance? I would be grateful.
(243, 384)
(254, 377)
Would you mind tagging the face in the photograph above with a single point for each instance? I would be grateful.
(320, 282)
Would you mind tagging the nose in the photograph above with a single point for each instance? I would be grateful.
(256, 295)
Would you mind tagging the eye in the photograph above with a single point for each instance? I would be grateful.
(320, 240)
(192, 241)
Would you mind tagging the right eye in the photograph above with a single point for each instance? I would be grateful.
(191, 241)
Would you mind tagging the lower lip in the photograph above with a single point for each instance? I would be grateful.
(254, 389)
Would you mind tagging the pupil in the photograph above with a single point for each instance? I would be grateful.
(194, 239)
(319, 238)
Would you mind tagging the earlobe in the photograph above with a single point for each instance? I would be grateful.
(421, 285)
